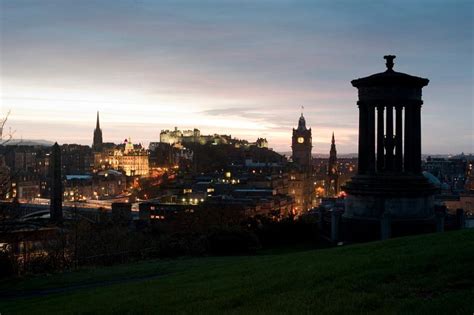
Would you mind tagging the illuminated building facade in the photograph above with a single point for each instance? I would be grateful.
(191, 136)
(134, 160)
(129, 158)
(179, 136)
(300, 187)
(103, 185)
(184, 137)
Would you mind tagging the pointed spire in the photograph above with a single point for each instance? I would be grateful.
(333, 146)
(97, 125)
(332, 163)
(97, 142)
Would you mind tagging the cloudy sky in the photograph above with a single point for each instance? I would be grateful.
(243, 68)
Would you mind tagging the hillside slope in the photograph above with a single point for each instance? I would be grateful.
(423, 274)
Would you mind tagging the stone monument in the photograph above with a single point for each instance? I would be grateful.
(389, 186)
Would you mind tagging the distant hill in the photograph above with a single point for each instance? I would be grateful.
(39, 142)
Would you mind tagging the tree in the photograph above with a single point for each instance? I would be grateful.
(4, 170)
(8, 136)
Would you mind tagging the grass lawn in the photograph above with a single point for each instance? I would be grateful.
(424, 274)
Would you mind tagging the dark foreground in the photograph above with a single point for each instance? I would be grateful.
(424, 274)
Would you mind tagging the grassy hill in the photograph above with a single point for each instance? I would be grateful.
(423, 274)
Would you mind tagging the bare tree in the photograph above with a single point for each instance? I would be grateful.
(9, 136)
(5, 175)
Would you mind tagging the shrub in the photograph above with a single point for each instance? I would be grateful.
(6, 265)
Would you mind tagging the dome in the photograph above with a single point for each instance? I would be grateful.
(390, 78)
(109, 172)
(432, 179)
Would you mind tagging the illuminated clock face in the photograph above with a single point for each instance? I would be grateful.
(300, 139)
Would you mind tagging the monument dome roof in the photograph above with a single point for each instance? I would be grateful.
(390, 77)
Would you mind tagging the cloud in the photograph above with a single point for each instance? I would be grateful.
(241, 67)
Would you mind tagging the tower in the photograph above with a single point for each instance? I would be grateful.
(300, 184)
(302, 144)
(389, 187)
(333, 174)
(56, 198)
(97, 144)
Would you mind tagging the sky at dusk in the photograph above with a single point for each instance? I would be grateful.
(243, 68)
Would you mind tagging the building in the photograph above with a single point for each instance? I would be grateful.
(166, 155)
(25, 186)
(300, 184)
(22, 158)
(128, 158)
(77, 187)
(451, 171)
(131, 159)
(184, 137)
(261, 143)
(300, 187)
(192, 136)
(102, 185)
(76, 159)
(28, 168)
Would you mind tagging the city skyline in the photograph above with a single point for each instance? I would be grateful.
(243, 69)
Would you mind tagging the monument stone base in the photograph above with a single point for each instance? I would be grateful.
(384, 204)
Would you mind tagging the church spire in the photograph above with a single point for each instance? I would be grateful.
(333, 152)
(97, 125)
(97, 142)
(333, 177)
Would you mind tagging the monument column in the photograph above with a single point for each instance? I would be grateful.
(389, 140)
(398, 138)
(380, 136)
(416, 142)
(362, 161)
(371, 138)
(408, 140)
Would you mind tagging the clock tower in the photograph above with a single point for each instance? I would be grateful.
(300, 183)
(301, 144)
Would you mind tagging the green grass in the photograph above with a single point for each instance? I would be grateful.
(424, 274)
